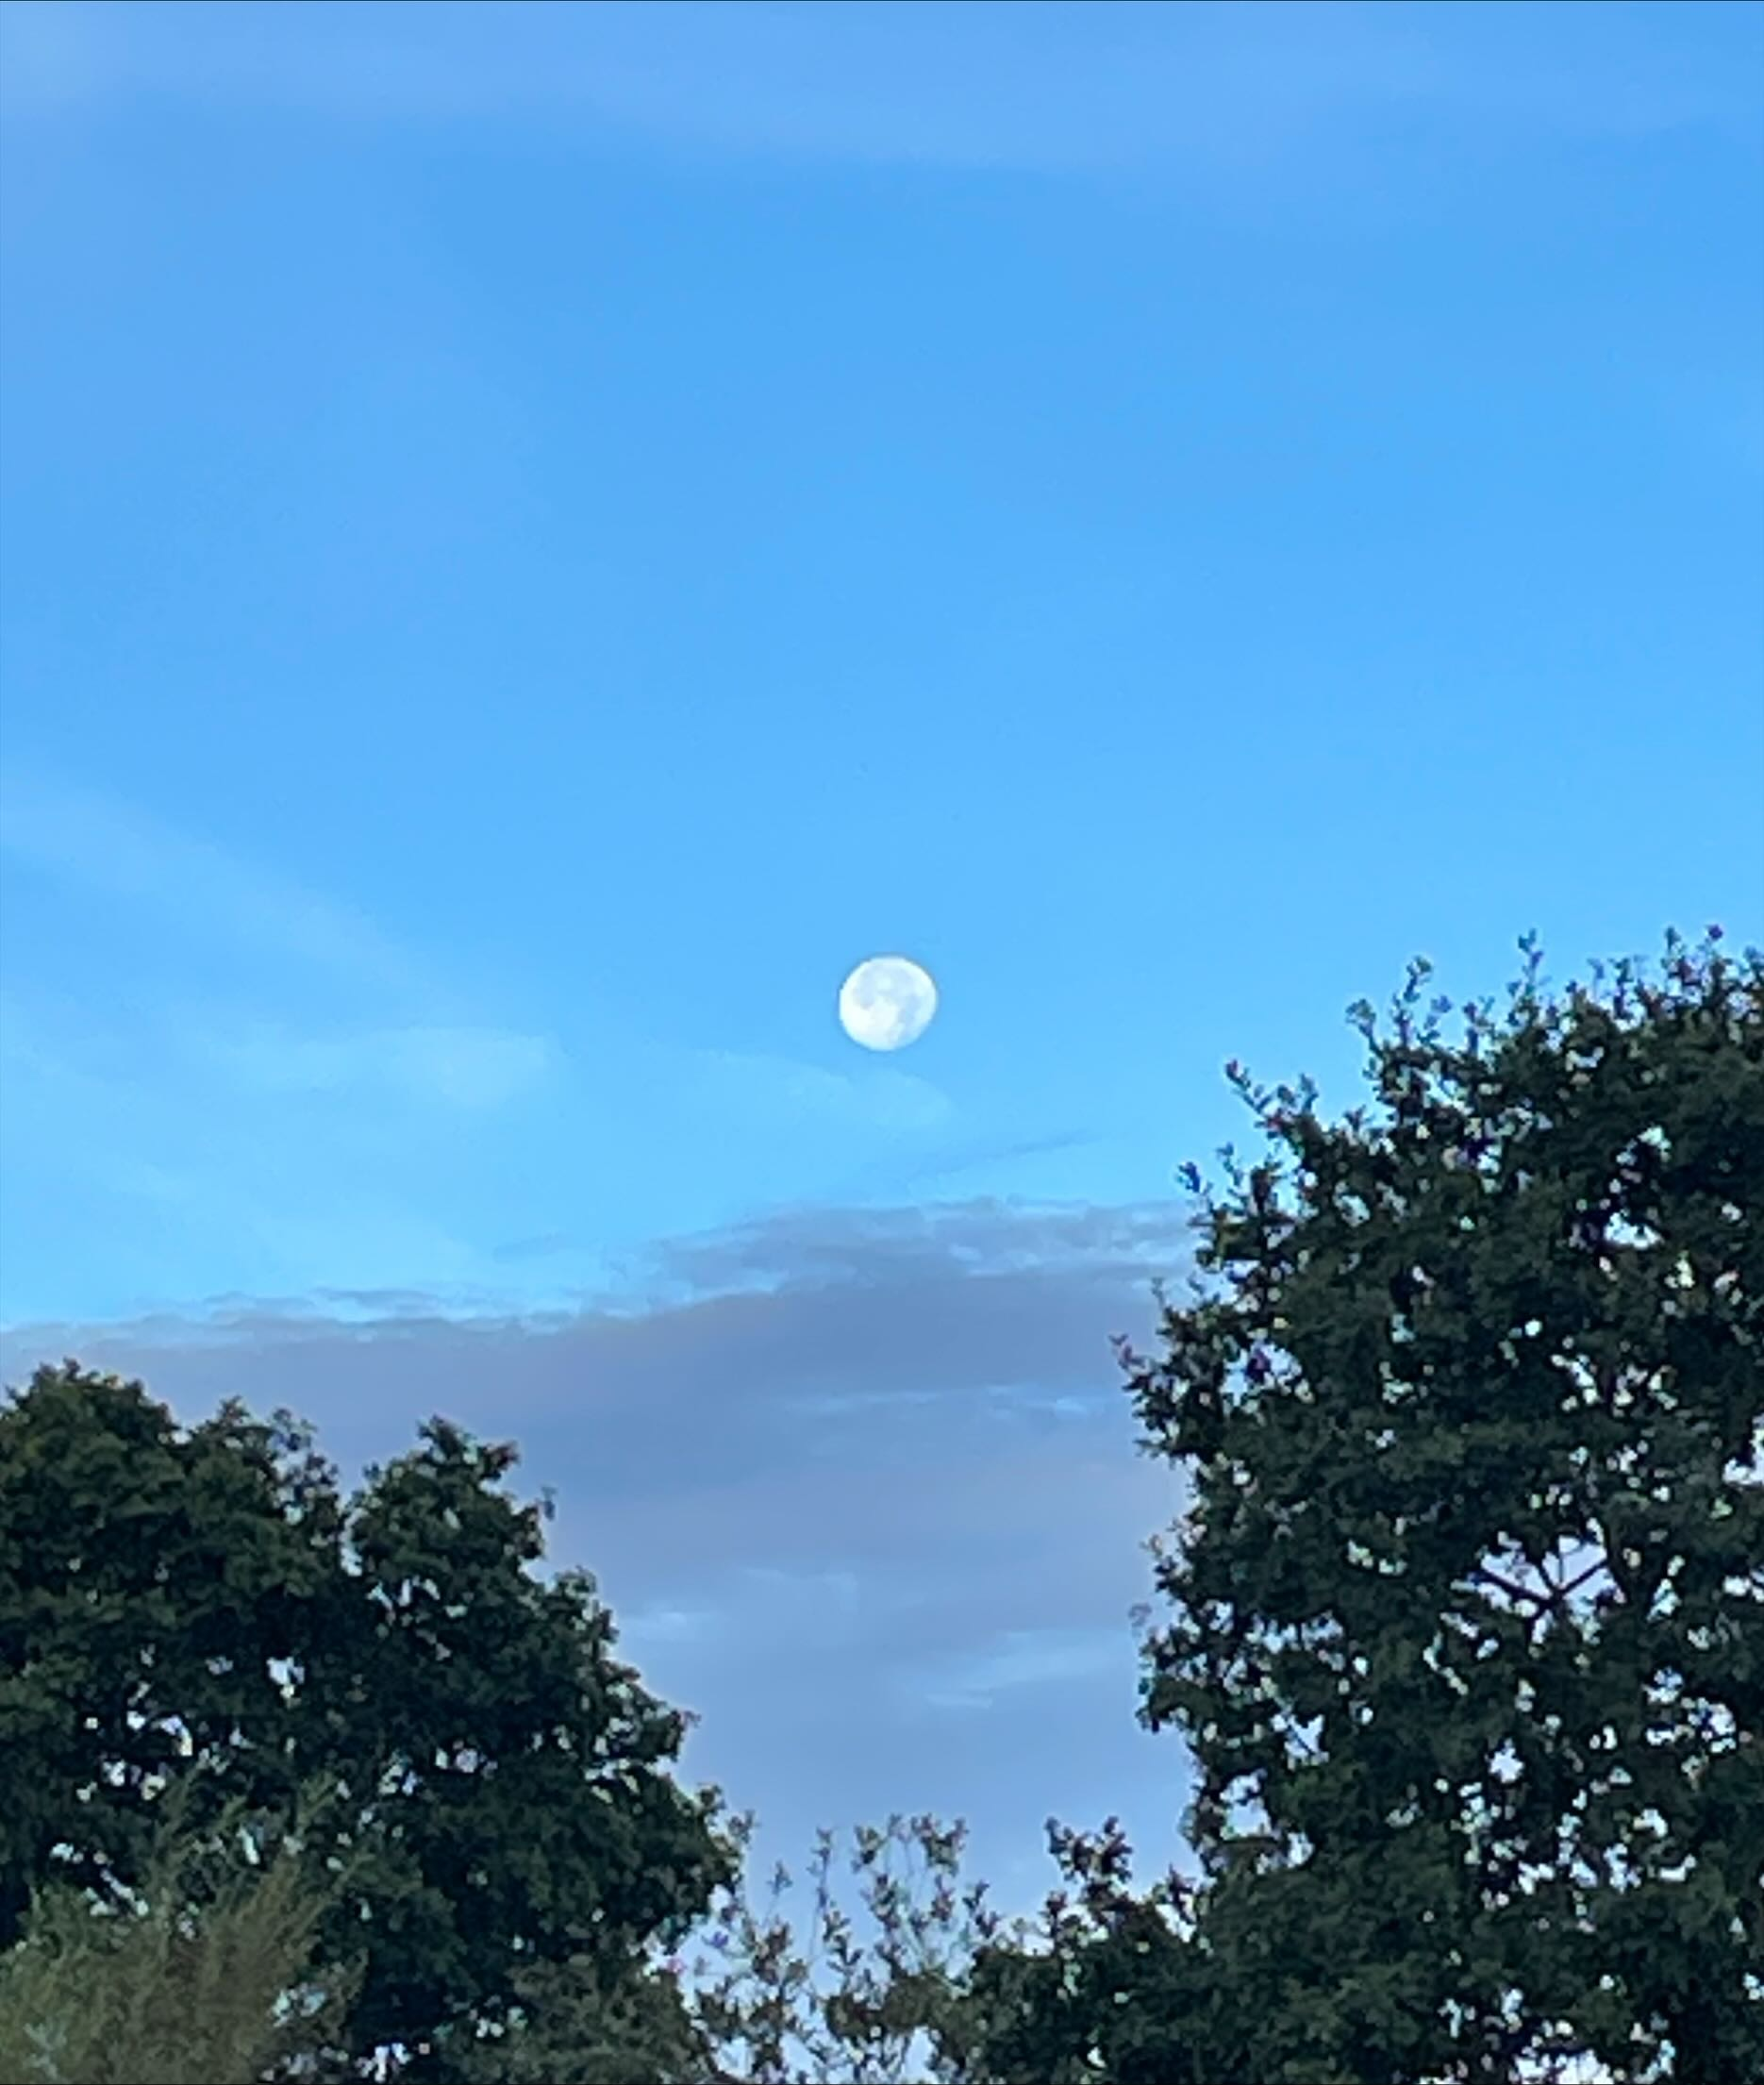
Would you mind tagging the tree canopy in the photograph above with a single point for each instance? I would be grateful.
(205, 1609)
(1467, 1636)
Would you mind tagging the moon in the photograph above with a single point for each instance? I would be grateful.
(887, 1002)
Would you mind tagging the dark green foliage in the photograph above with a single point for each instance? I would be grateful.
(1468, 1607)
(1110, 1987)
(204, 1607)
(205, 1980)
(593, 2022)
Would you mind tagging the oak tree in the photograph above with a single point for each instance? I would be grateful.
(1466, 1615)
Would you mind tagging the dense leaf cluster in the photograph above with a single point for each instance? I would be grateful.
(206, 1609)
(1467, 1632)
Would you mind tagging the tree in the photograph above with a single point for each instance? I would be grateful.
(204, 1610)
(1468, 1631)
(875, 1999)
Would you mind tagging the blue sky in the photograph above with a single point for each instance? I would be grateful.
(535, 537)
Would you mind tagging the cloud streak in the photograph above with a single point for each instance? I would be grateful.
(469, 1068)
(263, 1067)
(87, 839)
(1067, 88)
(878, 1097)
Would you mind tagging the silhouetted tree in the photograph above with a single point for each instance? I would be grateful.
(203, 1608)
(1468, 1638)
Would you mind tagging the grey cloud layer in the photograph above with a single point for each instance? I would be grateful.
(860, 1487)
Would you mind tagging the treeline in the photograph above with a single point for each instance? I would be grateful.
(1463, 1629)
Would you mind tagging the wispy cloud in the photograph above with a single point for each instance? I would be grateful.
(472, 1068)
(140, 1163)
(1020, 1659)
(1097, 86)
(255, 1060)
(757, 1085)
(89, 839)
(813, 1247)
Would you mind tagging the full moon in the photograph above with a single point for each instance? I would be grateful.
(887, 1003)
